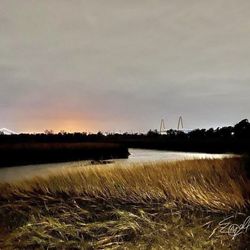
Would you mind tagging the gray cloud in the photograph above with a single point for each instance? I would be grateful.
(123, 65)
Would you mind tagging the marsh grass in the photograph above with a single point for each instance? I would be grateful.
(162, 205)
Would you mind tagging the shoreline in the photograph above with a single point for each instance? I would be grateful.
(22, 154)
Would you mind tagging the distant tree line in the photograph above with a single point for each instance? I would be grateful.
(235, 139)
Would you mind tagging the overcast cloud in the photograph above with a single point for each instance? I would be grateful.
(123, 65)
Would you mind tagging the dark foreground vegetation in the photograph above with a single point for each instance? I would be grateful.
(22, 153)
(232, 139)
(176, 205)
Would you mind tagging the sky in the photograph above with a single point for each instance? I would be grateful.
(123, 65)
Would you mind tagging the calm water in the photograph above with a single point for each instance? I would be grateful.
(136, 155)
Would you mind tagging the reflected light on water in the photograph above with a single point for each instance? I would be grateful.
(136, 156)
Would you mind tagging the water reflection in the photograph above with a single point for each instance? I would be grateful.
(136, 155)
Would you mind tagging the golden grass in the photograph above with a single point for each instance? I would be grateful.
(216, 184)
(153, 205)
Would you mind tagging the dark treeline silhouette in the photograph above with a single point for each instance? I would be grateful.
(235, 139)
(24, 153)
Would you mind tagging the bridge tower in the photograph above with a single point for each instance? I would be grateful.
(163, 127)
(180, 123)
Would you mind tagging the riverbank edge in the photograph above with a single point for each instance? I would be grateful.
(21, 154)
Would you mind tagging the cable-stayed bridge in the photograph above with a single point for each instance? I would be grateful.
(180, 126)
(6, 131)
